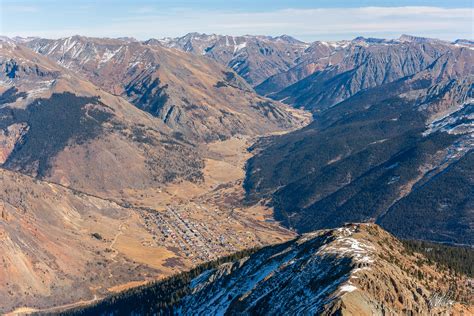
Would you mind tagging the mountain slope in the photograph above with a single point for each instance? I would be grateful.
(56, 244)
(57, 126)
(351, 67)
(195, 96)
(364, 156)
(100, 195)
(451, 191)
(254, 58)
(355, 270)
(317, 57)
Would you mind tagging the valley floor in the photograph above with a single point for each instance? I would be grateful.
(170, 229)
(198, 222)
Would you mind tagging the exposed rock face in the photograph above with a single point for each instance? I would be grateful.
(254, 58)
(195, 96)
(358, 269)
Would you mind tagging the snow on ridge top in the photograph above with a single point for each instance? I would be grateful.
(5, 39)
(467, 46)
(346, 245)
(19, 39)
(68, 43)
(333, 44)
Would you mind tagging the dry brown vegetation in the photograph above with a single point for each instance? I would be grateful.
(58, 239)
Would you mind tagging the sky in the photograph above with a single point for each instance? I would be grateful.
(307, 20)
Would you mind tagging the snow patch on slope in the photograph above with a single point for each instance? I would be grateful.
(323, 262)
(460, 121)
(108, 55)
(240, 47)
(348, 288)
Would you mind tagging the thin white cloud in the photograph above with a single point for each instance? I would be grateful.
(307, 24)
(13, 8)
(144, 10)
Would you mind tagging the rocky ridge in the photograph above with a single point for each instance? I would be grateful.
(197, 97)
(254, 58)
(357, 269)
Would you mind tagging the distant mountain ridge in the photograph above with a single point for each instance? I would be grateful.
(320, 81)
(254, 58)
(259, 58)
(193, 95)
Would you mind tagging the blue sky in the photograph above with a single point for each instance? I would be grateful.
(304, 19)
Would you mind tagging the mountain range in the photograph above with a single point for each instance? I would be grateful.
(198, 101)
(244, 159)
(254, 58)
(194, 96)
(372, 153)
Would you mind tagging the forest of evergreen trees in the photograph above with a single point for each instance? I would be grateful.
(458, 259)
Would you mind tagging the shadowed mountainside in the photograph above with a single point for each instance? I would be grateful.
(377, 153)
